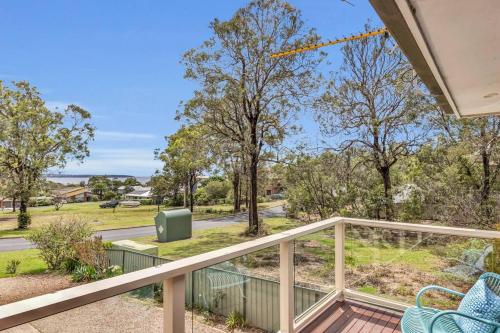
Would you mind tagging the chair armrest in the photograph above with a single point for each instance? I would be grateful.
(444, 313)
(446, 290)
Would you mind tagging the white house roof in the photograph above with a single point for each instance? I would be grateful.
(454, 46)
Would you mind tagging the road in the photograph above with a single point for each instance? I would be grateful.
(14, 244)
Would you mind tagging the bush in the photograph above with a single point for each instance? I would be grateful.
(235, 320)
(12, 266)
(92, 253)
(56, 241)
(146, 202)
(109, 195)
(23, 220)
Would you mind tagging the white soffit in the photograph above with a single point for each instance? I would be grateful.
(460, 41)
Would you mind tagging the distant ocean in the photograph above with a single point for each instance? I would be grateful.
(76, 179)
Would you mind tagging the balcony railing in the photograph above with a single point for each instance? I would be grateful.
(173, 276)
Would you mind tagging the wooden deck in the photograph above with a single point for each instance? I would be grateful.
(354, 317)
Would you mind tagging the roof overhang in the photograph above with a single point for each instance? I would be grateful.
(454, 46)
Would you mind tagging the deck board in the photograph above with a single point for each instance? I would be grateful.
(354, 317)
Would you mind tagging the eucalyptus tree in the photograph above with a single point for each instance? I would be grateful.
(34, 139)
(374, 103)
(246, 95)
(186, 157)
(473, 145)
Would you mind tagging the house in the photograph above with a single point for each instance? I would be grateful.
(7, 203)
(77, 194)
(139, 193)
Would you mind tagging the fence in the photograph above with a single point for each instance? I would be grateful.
(222, 291)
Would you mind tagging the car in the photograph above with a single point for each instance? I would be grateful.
(110, 204)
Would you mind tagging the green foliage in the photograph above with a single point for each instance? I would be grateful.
(108, 195)
(57, 239)
(84, 273)
(412, 209)
(12, 266)
(146, 202)
(217, 189)
(23, 220)
(235, 320)
(34, 139)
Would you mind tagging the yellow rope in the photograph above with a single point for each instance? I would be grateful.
(333, 42)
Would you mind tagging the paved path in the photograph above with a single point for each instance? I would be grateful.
(14, 244)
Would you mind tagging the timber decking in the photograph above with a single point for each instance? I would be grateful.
(354, 317)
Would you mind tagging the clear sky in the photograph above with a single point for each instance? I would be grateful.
(120, 61)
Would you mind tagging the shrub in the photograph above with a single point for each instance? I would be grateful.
(146, 202)
(235, 320)
(23, 220)
(92, 253)
(109, 195)
(56, 240)
(12, 266)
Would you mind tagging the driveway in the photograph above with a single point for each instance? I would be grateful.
(14, 244)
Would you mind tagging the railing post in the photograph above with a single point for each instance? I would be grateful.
(340, 258)
(287, 304)
(173, 304)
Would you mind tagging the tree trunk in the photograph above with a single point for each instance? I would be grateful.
(253, 217)
(386, 176)
(23, 206)
(236, 191)
(486, 186)
(186, 190)
(191, 183)
(14, 204)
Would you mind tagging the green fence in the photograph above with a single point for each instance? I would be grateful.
(222, 291)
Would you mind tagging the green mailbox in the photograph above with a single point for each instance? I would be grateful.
(172, 225)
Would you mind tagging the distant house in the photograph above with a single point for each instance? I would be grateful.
(127, 189)
(78, 194)
(139, 193)
(7, 203)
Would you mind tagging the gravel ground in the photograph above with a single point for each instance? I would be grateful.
(117, 314)
(27, 286)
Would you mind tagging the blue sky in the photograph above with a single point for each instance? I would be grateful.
(120, 61)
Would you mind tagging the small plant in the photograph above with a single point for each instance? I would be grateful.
(235, 320)
(84, 273)
(12, 266)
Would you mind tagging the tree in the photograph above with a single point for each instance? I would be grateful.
(100, 185)
(186, 157)
(319, 184)
(374, 102)
(247, 96)
(34, 139)
(480, 139)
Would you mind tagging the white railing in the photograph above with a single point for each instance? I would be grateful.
(173, 276)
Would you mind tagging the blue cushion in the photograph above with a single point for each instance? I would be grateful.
(479, 302)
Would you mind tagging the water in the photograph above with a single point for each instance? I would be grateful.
(77, 179)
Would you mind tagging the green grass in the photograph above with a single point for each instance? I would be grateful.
(213, 239)
(31, 263)
(104, 219)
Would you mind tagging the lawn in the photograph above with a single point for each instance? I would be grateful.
(103, 219)
(31, 263)
(213, 239)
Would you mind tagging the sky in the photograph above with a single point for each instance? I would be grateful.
(120, 61)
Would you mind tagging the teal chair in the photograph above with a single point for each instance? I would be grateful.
(479, 310)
